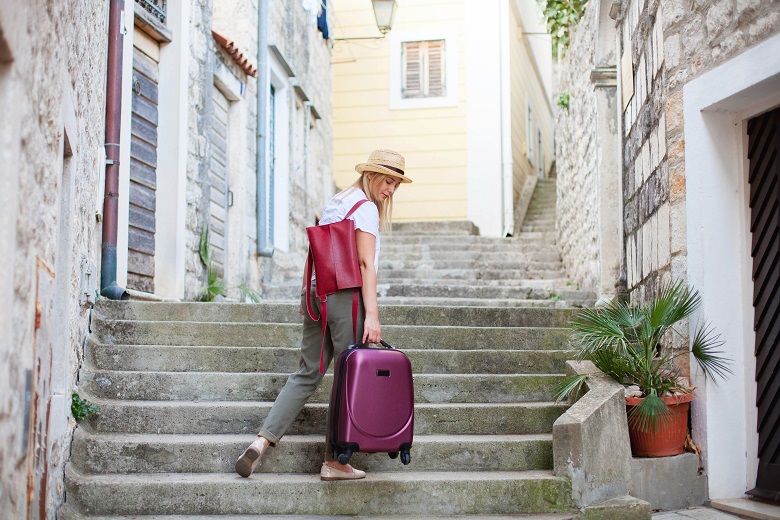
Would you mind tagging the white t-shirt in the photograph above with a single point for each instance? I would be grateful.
(366, 217)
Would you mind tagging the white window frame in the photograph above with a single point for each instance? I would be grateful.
(530, 135)
(539, 152)
(396, 39)
(281, 154)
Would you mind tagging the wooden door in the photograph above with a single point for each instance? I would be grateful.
(143, 173)
(218, 175)
(763, 151)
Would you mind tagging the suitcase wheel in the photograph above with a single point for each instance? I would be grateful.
(344, 457)
(393, 454)
(406, 457)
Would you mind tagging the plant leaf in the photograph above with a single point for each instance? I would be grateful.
(649, 414)
(570, 387)
(712, 363)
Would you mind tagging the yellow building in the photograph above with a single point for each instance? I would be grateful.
(462, 89)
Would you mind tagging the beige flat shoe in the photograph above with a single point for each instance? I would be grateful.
(247, 462)
(331, 473)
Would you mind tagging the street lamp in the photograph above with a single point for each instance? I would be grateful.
(384, 13)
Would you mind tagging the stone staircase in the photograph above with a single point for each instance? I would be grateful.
(541, 210)
(183, 387)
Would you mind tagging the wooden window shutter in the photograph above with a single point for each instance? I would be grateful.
(423, 73)
(412, 70)
(436, 76)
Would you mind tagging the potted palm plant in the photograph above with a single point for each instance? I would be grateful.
(633, 345)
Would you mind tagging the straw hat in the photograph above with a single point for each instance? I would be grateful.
(387, 162)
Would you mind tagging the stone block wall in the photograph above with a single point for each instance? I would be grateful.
(293, 29)
(664, 45)
(200, 82)
(576, 150)
(52, 97)
(671, 43)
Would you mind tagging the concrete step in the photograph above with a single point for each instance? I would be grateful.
(491, 303)
(287, 312)
(262, 386)
(456, 290)
(479, 277)
(241, 417)
(440, 227)
(535, 260)
(468, 240)
(507, 246)
(152, 453)
(541, 269)
(401, 493)
(67, 513)
(166, 358)
(289, 335)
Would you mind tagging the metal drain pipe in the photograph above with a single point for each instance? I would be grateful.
(264, 248)
(108, 261)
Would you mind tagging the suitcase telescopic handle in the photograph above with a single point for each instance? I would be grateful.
(360, 344)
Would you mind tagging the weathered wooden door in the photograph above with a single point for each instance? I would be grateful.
(218, 174)
(763, 151)
(143, 167)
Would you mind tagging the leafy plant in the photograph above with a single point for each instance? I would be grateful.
(632, 344)
(81, 408)
(564, 99)
(561, 15)
(215, 285)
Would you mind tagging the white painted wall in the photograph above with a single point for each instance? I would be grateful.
(170, 245)
(716, 106)
(123, 215)
(483, 116)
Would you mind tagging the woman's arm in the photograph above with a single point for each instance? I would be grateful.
(366, 243)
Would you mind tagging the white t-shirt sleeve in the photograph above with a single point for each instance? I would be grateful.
(366, 218)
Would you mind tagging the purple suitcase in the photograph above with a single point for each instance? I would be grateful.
(372, 403)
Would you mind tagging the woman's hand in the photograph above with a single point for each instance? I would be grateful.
(371, 329)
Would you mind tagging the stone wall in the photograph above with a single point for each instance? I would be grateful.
(52, 81)
(666, 45)
(200, 83)
(669, 45)
(293, 29)
(576, 156)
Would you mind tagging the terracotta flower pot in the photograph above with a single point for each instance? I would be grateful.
(669, 438)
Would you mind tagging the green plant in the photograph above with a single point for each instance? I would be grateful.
(553, 296)
(81, 408)
(561, 15)
(215, 285)
(632, 344)
(563, 100)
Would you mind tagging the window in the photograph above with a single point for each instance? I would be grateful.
(423, 69)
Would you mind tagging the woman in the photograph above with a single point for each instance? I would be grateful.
(379, 178)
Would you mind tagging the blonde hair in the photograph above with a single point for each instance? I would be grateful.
(385, 207)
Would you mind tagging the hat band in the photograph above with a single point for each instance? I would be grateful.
(396, 170)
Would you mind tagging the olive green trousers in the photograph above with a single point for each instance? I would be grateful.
(302, 384)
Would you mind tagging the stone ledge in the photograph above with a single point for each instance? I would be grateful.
(669, 483)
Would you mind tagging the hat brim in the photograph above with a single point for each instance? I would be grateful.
(378, 168)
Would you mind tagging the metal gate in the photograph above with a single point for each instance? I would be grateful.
(763, 150)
